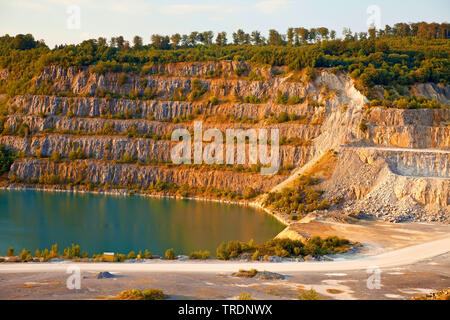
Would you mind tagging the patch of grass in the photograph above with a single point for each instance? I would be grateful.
(324, 167)
(309, 295)
(245, 296)
(439, 295)
(283, 117)
(246, 273)
(136, 294)
(199, 255)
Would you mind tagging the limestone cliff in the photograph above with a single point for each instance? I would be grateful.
(391, 163)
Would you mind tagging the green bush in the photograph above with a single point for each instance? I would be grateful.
(199, 255)
(10, 252)
(148, 294)
(245, 296)
(127, 158)
(256, 255)
(120, 257)
(214, 100)
(249, 193)
(282, 247)
(197, 90)
(54, 250)
(295, 100)
(170, 254)
(76, 154)
(363, 126)
(25, 255)
(246, 273)
(231, 249)
(23, 130)
(302, 198)
(55, 157)
(308, 295)
(6, 159)
(122, 79)
(281, 98)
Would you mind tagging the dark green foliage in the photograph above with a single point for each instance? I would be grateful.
(231, 249)
(363, 126)
(282, 248)
(197, 90)
(10, 252)
(123, 78)
(6, 159)
(284, 117)
(77, 154)
(302, 198)
(199, 255)
(136, 294)
(24, 42)
(281, 98)
(170, 254)
(246, 273)
(413, 102)
(319, 246)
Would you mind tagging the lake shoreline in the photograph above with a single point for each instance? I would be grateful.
(127, 192)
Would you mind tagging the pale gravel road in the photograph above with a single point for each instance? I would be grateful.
(400, 257)
(417, 150)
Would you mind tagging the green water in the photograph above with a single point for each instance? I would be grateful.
(98, 223)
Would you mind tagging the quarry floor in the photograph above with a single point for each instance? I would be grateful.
(395, 283)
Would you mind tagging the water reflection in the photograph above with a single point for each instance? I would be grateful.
(36, 219)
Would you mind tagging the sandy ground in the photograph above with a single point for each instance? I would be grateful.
(395, 283)
(375, 236)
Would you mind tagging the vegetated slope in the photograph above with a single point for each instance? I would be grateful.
(112, 130)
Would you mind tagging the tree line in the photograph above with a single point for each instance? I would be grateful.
(292, 37)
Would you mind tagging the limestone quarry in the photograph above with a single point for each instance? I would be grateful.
(395, 167)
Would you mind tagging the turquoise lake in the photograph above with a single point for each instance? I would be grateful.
(99, 223)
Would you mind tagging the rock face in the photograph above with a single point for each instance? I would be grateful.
(394, 167)
(165, 80)
(364, 177)
(409, 162)
(114, 147)
(122, 175)
(433, 91)
(423, 128)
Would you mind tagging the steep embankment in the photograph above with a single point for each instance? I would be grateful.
(116, 130)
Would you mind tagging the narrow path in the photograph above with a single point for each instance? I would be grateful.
(400, 149)
(404, 256)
